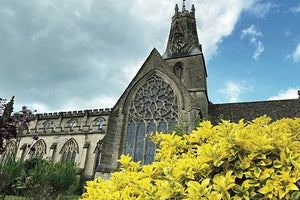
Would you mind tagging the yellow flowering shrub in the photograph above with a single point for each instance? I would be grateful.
(253, 160)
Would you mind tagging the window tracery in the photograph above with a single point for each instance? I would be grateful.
(72, 123)
(154, 108)
(9, 150)
(47, 125)
(39, 149)
(69, 151)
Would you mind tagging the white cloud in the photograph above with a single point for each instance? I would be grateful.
(213, 25)
(290, 93)
(287, 32)
(101, 101)
(295, 10)
(260, 10)
(218, 21)
(233, 90)
(252, 32)
(295, 55)
(77, 50)
(253, 35)
(259, 49)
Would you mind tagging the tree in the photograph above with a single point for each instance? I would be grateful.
(12, 125)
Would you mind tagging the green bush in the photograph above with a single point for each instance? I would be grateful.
(11, 173)
(49, 179)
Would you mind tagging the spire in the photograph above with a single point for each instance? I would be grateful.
(193, 10)
(183, 6)
(176, 9)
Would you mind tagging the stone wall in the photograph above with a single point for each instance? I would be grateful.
(87, 131)
(250, 110)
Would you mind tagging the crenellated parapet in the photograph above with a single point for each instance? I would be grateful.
(54, 115)
(70, 122)
(96, 112)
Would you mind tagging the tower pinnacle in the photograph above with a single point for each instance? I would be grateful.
(183, 5)
(183, 38)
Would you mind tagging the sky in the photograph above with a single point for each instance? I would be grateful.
(61, 55)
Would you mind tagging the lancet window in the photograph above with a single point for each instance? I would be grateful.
(47, 125)
(72, 123)
(39, 149)
(100, 123)
(178, 70)
(9, 150)
(69, 151)
(153, 108)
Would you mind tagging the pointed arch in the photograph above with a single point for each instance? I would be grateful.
(39, 149)
(172, 82)
(100, 121)
(71, 123)
(154, 103)
(47, 124)
(69, 150)
(10, 149)
(178, 70)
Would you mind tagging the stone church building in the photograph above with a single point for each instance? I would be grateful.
(168, 89)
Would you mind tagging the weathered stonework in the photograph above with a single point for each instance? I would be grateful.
(95, 139)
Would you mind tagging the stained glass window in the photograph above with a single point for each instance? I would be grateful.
(139, 145)
(150, 146)
(69, 151)
(9, 150)
(47, 125)
(130, 139)
(153, 108)
(100, 122)
(40, 149)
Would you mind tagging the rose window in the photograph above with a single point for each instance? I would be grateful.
(153, 108)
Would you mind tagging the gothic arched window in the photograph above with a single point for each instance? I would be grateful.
(10, 149)
(153, 108)
(100, 123)
(178, 70)
(47, 125)
(69, 150)
(39, 149)
(72, 123)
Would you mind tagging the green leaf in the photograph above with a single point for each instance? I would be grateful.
(239, 173)
(218, 163)
(295, 195)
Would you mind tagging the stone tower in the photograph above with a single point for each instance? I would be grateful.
(184, 55)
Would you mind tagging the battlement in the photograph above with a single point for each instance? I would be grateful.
(104, 111)
(67, 114)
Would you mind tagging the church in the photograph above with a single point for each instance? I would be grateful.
(168, 89)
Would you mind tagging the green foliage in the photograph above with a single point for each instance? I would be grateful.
(37, 178)
(254, 160)
(50, 179)
(62, 177)
(181, 129)
(11, 172)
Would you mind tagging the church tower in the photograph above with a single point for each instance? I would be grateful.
(184, 55)
(167, 90)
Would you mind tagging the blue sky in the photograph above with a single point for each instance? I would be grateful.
(60, 55)
(259, 60)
